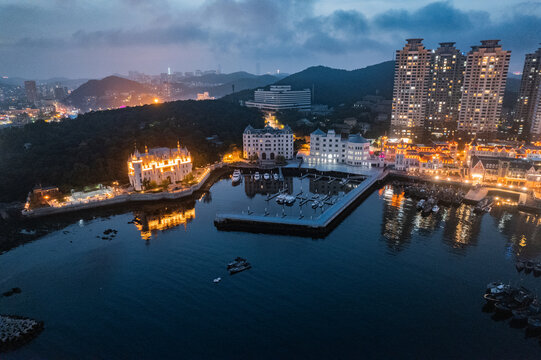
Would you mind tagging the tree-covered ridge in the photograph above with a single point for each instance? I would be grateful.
(94, 148)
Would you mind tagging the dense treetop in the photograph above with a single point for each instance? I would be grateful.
(94, 148)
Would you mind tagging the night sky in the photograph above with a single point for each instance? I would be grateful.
(75, 38)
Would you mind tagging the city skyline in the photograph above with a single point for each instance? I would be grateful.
(100, 38)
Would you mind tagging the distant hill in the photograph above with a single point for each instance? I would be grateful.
(219, 85)
(103, 93)
(334, 86)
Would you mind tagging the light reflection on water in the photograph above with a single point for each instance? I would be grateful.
(461, 225)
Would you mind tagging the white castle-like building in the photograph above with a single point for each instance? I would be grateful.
(158, 164)
(267, 143)
(332, 148)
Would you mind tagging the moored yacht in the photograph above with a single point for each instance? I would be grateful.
(256, 176)
(237, 177)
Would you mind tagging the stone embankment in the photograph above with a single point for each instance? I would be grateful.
(124, 198)
(15, 331)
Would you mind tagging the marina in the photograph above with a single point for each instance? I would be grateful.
(333, 207)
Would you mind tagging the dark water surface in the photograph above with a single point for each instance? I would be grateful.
(386, 283)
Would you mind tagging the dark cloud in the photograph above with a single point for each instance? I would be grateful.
(290, 32)
(435, 17)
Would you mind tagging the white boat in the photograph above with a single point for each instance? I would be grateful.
(315, 204)
(290, 199)
(435, 209)
(276, 177)
(266, 176)
(420, 204)
(236, 178)
(256, 176)
(280, 199)
(217, 280)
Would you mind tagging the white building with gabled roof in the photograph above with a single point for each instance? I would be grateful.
(333, 148)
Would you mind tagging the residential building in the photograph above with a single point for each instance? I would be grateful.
(267, 143)
(482, 95)
(281, 97)
(444, 90)
(527, 122)
(31, 91)
(333, 148)
(412, 70)
(158, 165)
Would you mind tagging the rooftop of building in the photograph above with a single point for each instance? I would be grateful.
(268, 130)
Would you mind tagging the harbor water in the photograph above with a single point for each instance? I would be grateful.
(387, 282)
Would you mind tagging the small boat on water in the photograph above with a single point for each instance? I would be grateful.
(537, 269)
(290, 199)
(238, 260)
(524, 313)
(315, 204)
(236, 178)
(256, 176)
(520, 266)
(239, 268)
(435, 209)
(266, 176)
(217, 280)
(528, 267)
(534, 321)
(275, 177)
(280, 199)
(420, 204)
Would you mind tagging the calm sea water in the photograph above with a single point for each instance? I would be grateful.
(386, 283)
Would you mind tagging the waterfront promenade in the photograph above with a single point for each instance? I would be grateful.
(126, 197)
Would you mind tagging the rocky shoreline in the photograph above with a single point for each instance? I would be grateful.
(16, 331)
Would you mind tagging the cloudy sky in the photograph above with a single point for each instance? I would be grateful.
(79, 38)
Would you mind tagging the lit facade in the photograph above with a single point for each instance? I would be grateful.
(332, 148)
(528, 113)
(444, 90)
(267, 143)
(412, 70)
(281, 97)
(157, 165)
(484, 85)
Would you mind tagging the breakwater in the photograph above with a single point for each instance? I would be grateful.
(313, 227)
(15, 331)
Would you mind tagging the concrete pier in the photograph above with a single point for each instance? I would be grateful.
(314, 227)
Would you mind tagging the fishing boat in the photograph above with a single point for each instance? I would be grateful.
(537, 269)
(256, 176)
(420, 204)
(523, 314)
(534, 321)
(520, 266)
(239, 268)
(217, 280)
(280, 199)
(266, 176)
(435, 209)
(275, 177)
(238, 260)
(528, 267)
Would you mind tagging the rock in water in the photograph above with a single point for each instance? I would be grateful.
(15, 331)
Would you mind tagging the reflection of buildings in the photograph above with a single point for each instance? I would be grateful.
(522, 230)
(398, 219)
(162, 219)
(462, 226)
(324, 187)
(252, 187)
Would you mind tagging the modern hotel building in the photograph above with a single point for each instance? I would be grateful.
(281, 97)
(332, 148)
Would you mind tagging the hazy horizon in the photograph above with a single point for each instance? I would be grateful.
(77, 39)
